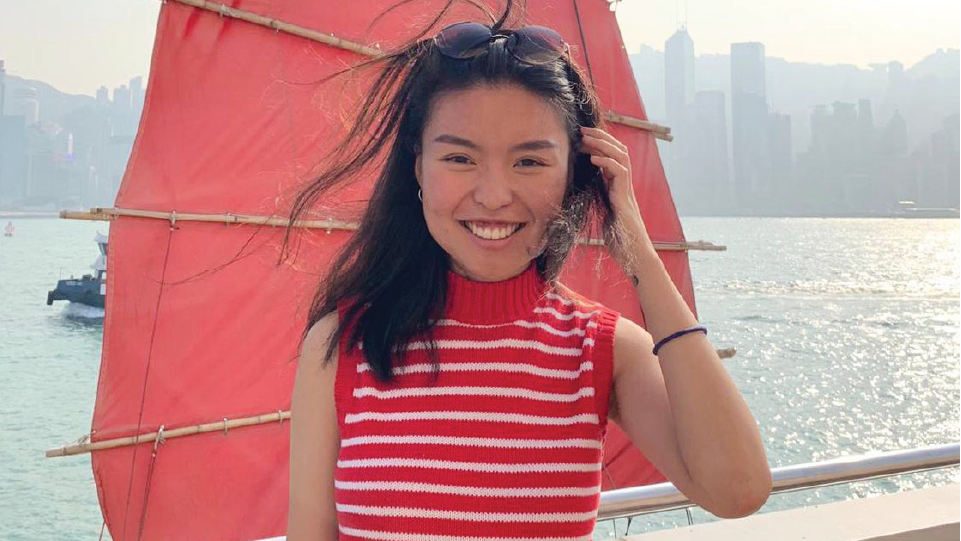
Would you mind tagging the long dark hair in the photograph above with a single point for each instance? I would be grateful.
(391, 276)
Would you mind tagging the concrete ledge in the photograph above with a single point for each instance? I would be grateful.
(930, 514)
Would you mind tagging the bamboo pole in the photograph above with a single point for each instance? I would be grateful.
(281, 26)
(110, 214)
(82, 446)
(658, 131)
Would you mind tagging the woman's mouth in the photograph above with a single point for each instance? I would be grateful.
(493, 230)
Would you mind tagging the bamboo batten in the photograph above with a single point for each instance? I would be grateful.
(110, 214)
(82, 446)
(281, 26)
(658, 131)
(661, 132)
(224, 425)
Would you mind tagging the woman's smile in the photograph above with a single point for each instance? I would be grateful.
(492, 232)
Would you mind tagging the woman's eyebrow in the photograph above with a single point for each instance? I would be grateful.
(539, 144)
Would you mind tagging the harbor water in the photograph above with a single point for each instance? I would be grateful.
(846, 331)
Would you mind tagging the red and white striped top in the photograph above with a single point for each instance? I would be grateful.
(505, 444)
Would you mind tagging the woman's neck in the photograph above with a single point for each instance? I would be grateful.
(482, 301)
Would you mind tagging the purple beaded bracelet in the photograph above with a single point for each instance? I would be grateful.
(681, 332)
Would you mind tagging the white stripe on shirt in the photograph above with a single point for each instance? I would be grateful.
(518, 323)
(481, 492)
(485, 467)
(516, 392)
(565, 317)
(505, 443)
(402, 536)
(485, 367)
(501, 343)
(488, 416)
(476, 516)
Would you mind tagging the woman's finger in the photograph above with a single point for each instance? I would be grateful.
(606, 148)
(610, 167)
(601, 134)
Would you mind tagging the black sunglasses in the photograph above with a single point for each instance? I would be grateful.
(531, 44)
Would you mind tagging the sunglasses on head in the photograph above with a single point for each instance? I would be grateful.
(531, 44)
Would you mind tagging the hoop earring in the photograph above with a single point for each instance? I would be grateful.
(420, 195)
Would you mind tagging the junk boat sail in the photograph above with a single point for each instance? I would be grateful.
(190, 435)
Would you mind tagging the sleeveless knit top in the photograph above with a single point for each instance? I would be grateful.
(507, 443)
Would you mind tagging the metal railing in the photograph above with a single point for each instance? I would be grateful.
(627, 502)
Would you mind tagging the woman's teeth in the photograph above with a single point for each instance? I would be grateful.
(493, 233)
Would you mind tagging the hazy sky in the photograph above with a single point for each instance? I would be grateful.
(78, 45)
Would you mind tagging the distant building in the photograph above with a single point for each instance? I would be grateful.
(749, 121)
(679, 96)
(938, 175)
(13, 160)
(867, 135)
(121, 99)
(25, 102)
(714, 194)
(782, 160)
(103, 97)
(894, 137)
(678, 75)
(136, 93)
(845, 136)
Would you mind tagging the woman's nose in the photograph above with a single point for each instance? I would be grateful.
(493, 191)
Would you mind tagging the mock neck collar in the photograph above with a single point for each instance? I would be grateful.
(506, 300)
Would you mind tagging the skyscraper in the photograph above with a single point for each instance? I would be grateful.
(749, 122)
(136, 93)
(782, 159)
(678, 76)
(121, 99)
(709, 166)
(103, 97)
(679, 97)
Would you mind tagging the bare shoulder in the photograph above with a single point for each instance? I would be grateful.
(632, 343)
(314, 380)
(314, 347)
(632, 347)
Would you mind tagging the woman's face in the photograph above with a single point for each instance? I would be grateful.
(493, 170)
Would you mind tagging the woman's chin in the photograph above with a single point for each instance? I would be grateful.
(479, 270)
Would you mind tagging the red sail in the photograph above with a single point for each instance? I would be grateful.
(201, 323)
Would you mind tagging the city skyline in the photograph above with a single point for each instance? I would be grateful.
(79, 58)
(850, 164)
(753, 133)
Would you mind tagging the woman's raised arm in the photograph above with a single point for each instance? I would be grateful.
(314, 440)
(680, 406)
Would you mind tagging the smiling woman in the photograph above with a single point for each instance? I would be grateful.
(493, 169)
(449, 385)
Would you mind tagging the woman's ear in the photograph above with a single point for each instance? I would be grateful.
(417, 172)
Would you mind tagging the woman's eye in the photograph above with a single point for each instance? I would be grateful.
(457, 159)
(529, 162)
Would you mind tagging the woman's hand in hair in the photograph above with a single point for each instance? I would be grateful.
(611, 156)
